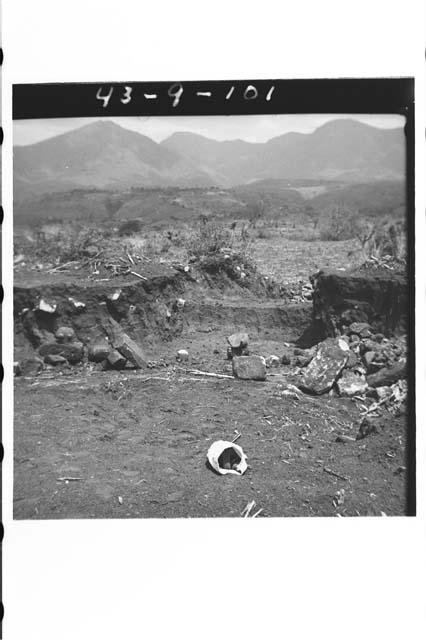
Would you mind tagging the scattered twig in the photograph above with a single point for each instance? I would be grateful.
(246, 511)
(257, 513)
(236, 437)
(63, 266)
(138, 275)
(196, 372)
(376, 405)
(336, 475)
(68, 479)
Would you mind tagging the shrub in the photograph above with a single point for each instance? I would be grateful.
(66, 243)
(156, 244)
(342, 224)
(385, 239)
(209, 238)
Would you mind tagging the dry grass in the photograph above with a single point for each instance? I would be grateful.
(286, 253)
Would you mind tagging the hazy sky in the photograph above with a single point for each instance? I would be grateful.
(251, 128)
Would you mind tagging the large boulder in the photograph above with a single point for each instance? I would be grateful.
(389, 375)
(125, 345)
(249, 367)
(320, 374)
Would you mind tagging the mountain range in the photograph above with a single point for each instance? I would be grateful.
(104, 155)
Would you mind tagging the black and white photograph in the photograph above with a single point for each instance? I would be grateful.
(212, 320)
(211, 316)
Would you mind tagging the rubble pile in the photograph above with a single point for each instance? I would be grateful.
(355, 363)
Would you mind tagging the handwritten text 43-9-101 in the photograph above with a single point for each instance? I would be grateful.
(175, 93)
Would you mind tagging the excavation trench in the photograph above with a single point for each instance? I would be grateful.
(154, 312)
(169, 305)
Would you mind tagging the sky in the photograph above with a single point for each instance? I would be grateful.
(259, 128)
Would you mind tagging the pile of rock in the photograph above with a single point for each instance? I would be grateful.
(65, 349)
(245, 366)
(115, 352)
(355, 363)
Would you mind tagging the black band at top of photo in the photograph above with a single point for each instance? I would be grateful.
(227, 97)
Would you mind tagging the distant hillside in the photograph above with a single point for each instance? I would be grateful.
(370, 199)
(100, 155)
(231, 161)
(339, 150)
(104, 155)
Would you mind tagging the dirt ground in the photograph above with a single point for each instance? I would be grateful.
(133, 444)
(136, 442)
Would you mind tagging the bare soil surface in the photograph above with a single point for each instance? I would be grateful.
(136, 444)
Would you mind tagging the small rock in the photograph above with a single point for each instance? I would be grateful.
(351, 384)
(115, 296)
(272, 361)
(339, 498)
(46, 307)
(379, 337)
(249, 367)
(116, 360)
(238, 345)
(368, 425)
(367, 345)
(238, 340)
(77, 304)
(182, 355)
(17, 369)
(72, 351)
(383, 392)
(352, 360)
(180, 303)
(368, 358)
(55, 360)
(285, 358)
(99, 350)
(400, 469)
(362, 329)
(303, 361)
(65, 334)
(31, 366)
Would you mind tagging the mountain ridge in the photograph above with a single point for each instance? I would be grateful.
(103, 154)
